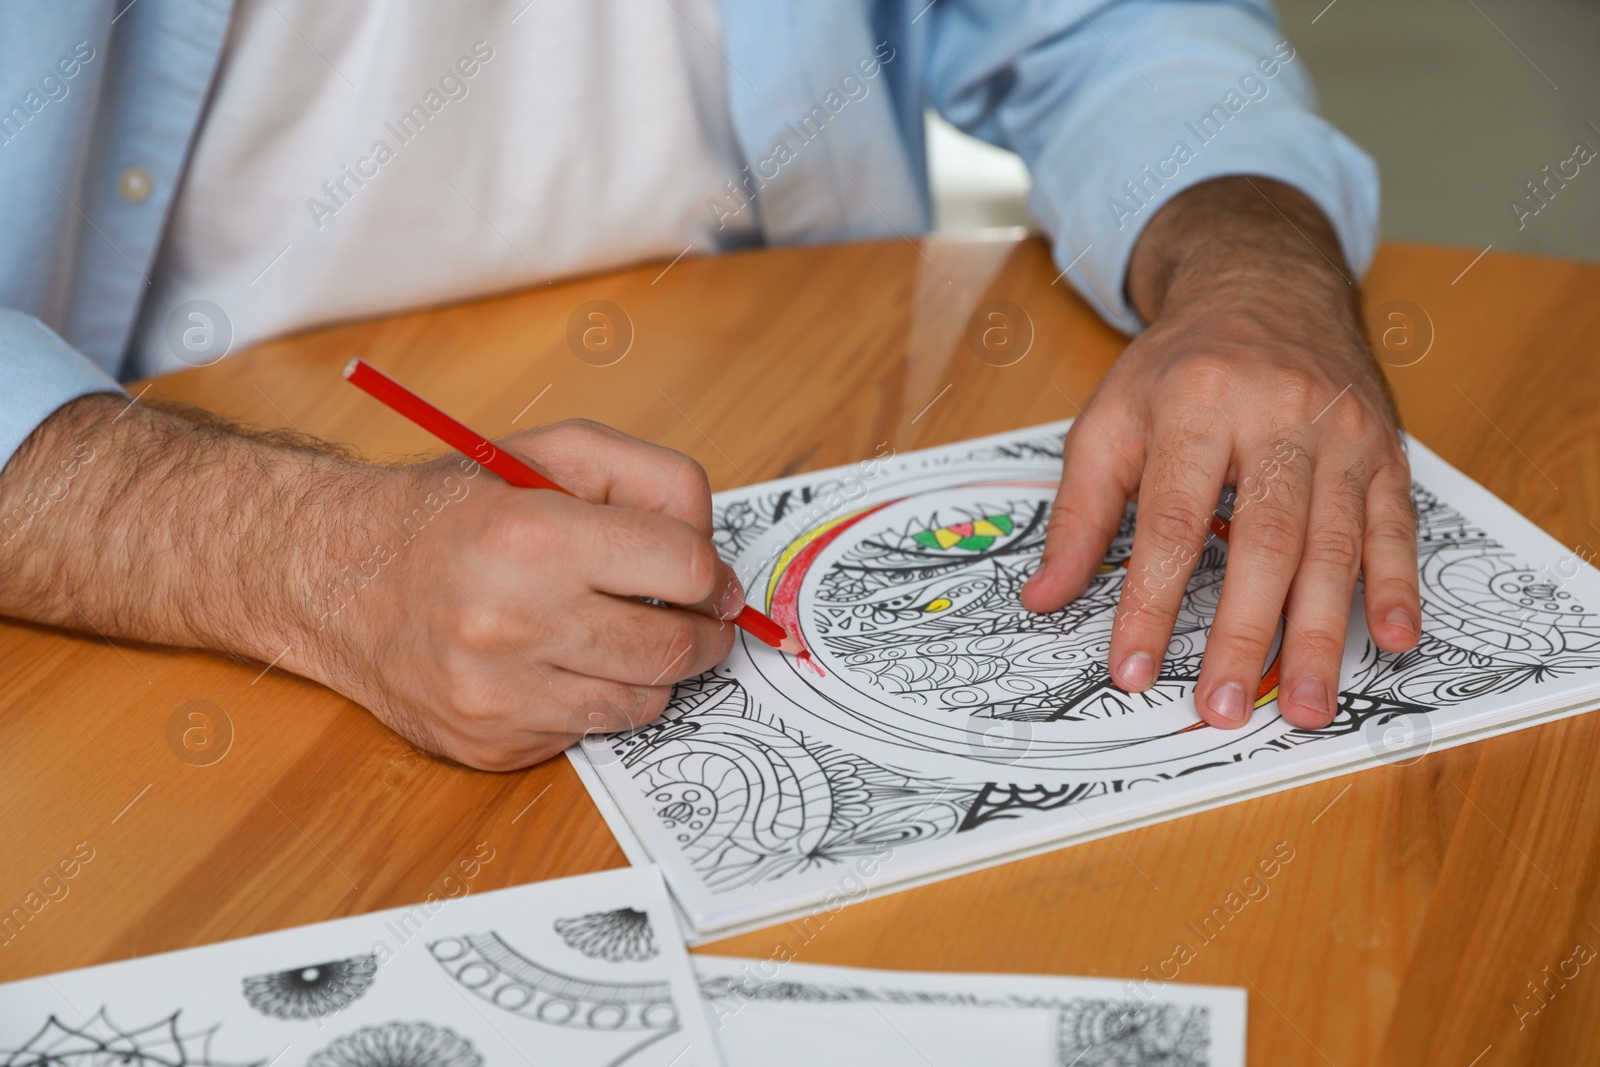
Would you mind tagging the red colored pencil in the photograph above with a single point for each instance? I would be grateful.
(457, 435)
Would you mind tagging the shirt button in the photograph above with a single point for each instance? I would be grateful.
(134, 183)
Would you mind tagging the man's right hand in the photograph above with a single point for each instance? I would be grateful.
(489, 624)
(504, 626)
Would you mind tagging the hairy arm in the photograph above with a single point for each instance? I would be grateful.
(489, 624)
(170, 526)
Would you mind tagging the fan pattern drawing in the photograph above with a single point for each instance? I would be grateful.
(933, 705)
(100, 1042)
(1107, 1033)
(617, 936)
(311, 992)
(399, 1044)
(486, 966)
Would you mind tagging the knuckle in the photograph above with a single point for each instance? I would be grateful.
(1295, 391)
(680, 641)
(577, 430)
(653, 703)
(1337, 550)
(1392, 589)
(1274, 533)
(1350, 418)
(1208, 381)
(1393, 527)
(1173, 524)
(471, 634)
(702, 572)
(628, 707)
(1320, 638)
(690, 479)
(1068, 514)
(1241, 643)
(512, 531)
(1140, 615)
(687, 490)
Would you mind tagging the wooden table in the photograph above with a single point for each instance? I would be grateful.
(1420, 900)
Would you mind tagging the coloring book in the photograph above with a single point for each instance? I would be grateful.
(937, 726)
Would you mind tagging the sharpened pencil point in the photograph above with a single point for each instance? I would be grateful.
(790, 647)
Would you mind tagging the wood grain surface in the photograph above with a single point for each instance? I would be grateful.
(1422, 904)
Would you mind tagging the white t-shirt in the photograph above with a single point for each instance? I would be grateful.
(365, 156)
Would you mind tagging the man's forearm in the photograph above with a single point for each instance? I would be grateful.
(169, 528)
(1253, 237)
(480, 621)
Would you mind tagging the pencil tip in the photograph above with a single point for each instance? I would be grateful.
(350, 368)
(790, 647)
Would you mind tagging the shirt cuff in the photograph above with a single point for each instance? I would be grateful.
(39, 372)
(1097, 216)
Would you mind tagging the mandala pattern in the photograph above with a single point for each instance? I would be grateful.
(749, 799)
(311, 992)
(1107, 1033)
(619, 936)
(100, 1042)
(399, 1044)
(486, 966)
(905, 590)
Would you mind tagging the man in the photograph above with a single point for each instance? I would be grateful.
(178, 175)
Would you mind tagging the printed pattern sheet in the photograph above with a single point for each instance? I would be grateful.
(937, 725)
(769, 1013)
(581, 971)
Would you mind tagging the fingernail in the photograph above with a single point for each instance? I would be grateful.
(731, 602)
(1138, 671)
(1400, 619)
(1227, 700)
(1312, 694)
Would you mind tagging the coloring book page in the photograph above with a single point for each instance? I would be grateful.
(769, 1013)
(938, 726)
(580, 971)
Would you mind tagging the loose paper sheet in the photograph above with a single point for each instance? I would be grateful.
(771, 1014)
(942, 727)
(581, 971)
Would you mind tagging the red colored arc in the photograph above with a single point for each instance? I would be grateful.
(785, 605)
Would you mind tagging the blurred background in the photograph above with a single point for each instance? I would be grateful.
(1461, 102)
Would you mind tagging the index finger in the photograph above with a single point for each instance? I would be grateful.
(633, 553)
(606, 466)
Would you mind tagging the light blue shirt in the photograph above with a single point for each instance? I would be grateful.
(1116, 106)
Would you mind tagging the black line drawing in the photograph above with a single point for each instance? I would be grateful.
(311, 992)
(749, 799)
(906, 595)
(100, 1042)
(1098, 1032)
(1109, 1033)
(486, 966)
(398, 1044)
(621, 935)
